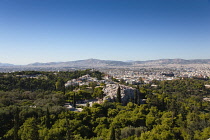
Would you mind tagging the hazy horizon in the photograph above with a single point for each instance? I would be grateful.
(103, 60)
(68, 30)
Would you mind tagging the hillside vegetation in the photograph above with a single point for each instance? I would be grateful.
(31, 108)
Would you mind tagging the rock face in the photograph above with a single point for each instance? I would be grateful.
(110, 92)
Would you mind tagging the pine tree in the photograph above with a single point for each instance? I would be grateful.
(117, 134)
(68, 131)
(131, 100)
(135, 96)
(29, 130)
(112, 134)
(114, 99)
(60, 85)
(47, 120)
(139, 98)
(74, 101)
(138, 87)
(16, 123)
(119, 95)
(88, 104)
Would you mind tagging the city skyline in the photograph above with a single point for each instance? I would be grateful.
(68, 30)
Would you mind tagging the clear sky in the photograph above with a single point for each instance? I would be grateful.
(65, 30)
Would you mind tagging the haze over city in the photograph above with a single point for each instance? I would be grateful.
(67, 30)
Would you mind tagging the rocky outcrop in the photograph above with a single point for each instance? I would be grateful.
(110, 92)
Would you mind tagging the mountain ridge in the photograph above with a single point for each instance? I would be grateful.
(98, 62)
(104, 63)
(5, 64)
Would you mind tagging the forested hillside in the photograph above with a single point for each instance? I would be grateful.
(32, 108)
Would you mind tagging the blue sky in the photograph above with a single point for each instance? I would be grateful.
(65, 30)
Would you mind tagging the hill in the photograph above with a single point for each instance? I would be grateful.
(5, 64)
(110, 63)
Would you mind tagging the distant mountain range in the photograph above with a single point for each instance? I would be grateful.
(175, 61)
(84, 63)
(5, 64)
(91, 63)
(102, 63)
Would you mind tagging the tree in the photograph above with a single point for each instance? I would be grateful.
(29, 130)
(98, 92)
(127, 132)
(141, 80)
(138, 98)
(138, 88)
(74, 101)
(16, 123)
(93, 85)
(117, 134)
(60, 85)
(119, 95)
(47, 119)
(112, 134)
(68, 130)
(84, 94)
(122, 81)
(135, 96)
